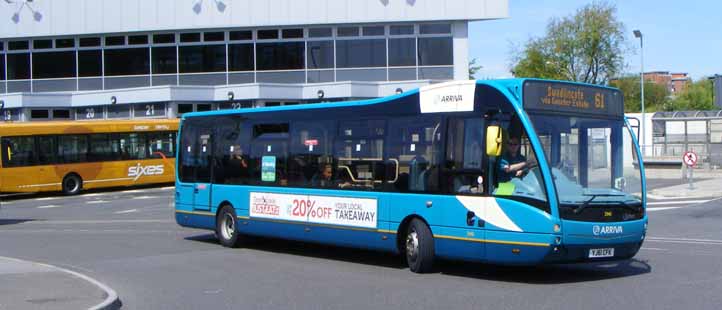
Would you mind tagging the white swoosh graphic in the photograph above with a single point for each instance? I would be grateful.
(487, 209)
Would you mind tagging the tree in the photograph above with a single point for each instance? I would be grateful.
(656, 97)
(473, 69)
(585, 47)
(698, 96)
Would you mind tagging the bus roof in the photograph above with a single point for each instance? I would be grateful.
(512, 85)
(82, 127)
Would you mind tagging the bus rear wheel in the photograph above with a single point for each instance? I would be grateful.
(419, 247)
(72, 184)
(226, 228)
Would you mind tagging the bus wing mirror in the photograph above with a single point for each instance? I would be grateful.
(493, 140)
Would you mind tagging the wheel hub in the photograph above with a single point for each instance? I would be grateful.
(412, 245)
(228, 226)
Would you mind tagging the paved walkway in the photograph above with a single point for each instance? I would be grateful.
(710, 188)
(30, 285)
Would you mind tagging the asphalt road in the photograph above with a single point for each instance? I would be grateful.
(130, 241)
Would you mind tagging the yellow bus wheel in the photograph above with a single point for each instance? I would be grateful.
(72, 184)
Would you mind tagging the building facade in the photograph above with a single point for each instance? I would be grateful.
(109, 59)
(674, 82)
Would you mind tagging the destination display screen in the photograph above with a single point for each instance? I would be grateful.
(572, 98)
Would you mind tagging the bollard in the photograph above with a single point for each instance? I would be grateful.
(690, 177)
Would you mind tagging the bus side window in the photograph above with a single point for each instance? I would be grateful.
(269, 153)
(310, 152)
(231, 153)
(359, 151)
(415, 143)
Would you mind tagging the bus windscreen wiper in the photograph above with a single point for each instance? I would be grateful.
(594, 196)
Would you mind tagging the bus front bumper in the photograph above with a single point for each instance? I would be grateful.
(577, 253)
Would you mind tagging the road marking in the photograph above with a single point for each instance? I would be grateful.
(94, 195)
(126, 211)
(677, 202)
(46, 198)
(654, 249)
(167, 187)
(49, 207)
(145, 197)
(684, 240)
(97, 201)
(662, 209)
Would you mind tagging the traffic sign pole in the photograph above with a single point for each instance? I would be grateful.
(690, 160)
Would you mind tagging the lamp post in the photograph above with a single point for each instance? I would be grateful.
(638, 34)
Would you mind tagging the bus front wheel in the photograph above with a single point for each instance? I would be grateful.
(419, 247)
(72, 184)
(226, 229)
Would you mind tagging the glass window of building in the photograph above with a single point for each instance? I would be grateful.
(51, 65)
(138, 40)
(18, 66)
(435, 29)
(39, 114)
(89, 42)
(164, 38)
(436, 51)
(164, 59)
(320, 54)
(209, 58)
(127, 61)
(320, 32)
(65, 43)
(361, 53)
(61, 114)
(374, 31)
(90, 63)
(114, 41)
(280, 56)
(242, 35)
(402, 52)
(398, 30)
(190, 37)
(240, 57)
(268, 34)
(18, 45)
(2, 66)
(213, 36)
(42, 44)
(347, 32)
(292, 33)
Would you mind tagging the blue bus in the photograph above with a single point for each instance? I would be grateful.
(518, 171)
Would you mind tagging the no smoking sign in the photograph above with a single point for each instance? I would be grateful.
(690, 158)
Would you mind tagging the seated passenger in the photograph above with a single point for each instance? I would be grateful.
(324, 178)
(512, 164)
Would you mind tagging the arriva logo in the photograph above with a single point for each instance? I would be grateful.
(138, 171)
(607, 230)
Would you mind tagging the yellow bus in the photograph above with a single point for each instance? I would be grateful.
(70, 156)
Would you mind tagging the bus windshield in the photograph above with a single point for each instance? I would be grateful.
(592, 160)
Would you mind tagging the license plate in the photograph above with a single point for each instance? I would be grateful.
(606, 252)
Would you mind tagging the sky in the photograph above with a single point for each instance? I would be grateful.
(679, 36)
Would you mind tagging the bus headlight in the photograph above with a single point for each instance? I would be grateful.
(558, 240)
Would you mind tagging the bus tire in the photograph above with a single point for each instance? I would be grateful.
(72, 184)
(226, 229)
(419, 247)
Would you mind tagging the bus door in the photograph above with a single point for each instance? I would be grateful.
(202, 188)
(195, 166)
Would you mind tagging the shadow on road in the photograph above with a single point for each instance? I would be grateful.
(544, 274)
(14, 221)
(547, 274)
